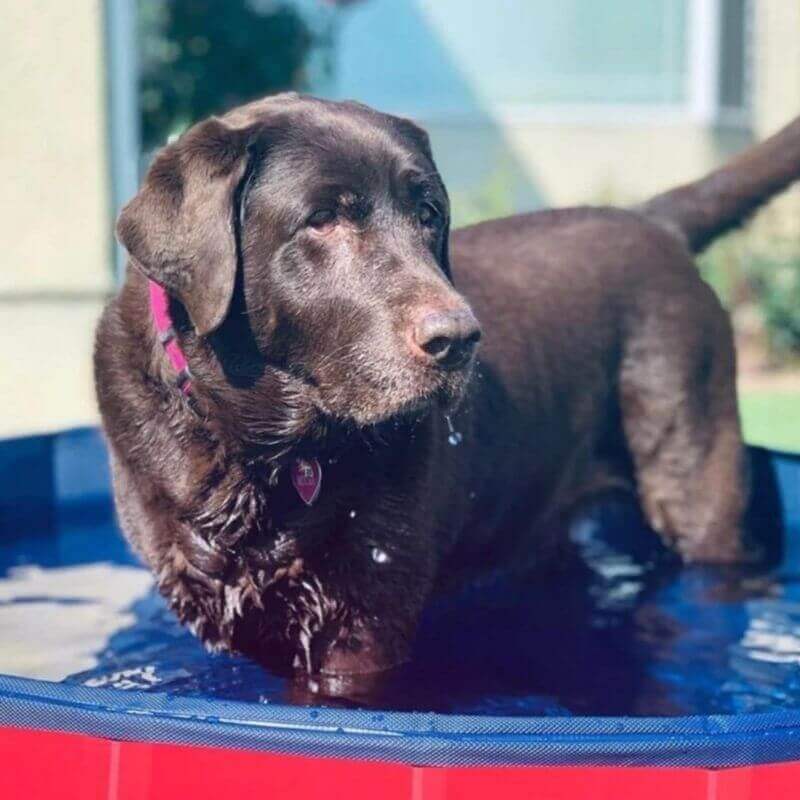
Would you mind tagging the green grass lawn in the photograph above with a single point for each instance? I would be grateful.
(771, 418)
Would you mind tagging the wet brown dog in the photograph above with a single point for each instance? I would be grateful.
(305, 247)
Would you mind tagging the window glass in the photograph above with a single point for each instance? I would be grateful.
(445, 55)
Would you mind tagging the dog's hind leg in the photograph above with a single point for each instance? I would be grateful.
(677, 395)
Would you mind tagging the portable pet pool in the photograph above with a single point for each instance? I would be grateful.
(630, 676)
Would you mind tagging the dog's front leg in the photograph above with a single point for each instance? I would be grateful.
(374, 580)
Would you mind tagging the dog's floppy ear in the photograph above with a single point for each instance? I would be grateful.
(180, 229)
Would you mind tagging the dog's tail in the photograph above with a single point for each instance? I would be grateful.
(703, 210)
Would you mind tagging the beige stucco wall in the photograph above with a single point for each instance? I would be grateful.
(561, 163)
(55, 227)
(46, 365)
(777, 63)
(777, 94)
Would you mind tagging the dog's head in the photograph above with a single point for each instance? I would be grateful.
(310, 237)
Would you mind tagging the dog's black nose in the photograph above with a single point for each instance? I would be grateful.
(447, 337)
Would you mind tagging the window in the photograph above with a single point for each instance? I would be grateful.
(448, 57)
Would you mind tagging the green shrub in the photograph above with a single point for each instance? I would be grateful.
(198, 57)
(763, 274)
(723, 267)
(492, 198)
(775, 282)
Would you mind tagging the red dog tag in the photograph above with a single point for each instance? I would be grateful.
(307, 478)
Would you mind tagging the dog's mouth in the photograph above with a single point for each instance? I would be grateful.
(412, 411)
(385, 389)
(445, 398)
(443, 394)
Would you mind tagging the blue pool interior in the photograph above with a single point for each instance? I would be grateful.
(628, 637)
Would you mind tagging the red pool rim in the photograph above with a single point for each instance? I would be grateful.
(67, 766)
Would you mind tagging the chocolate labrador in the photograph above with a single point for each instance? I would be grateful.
(304, 444)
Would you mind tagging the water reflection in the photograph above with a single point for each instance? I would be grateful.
(626, 630)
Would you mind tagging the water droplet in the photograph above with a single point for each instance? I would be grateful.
(380, 556)
(454, 438)
(313, 687)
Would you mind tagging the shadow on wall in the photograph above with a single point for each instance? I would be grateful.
(388, 54)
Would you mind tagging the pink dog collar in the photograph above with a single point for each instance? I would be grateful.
(159, 307)
(306, 473)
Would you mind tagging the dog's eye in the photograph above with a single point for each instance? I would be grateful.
(321, 217)
(428, 214)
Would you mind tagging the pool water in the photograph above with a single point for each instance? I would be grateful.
(625, 631)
